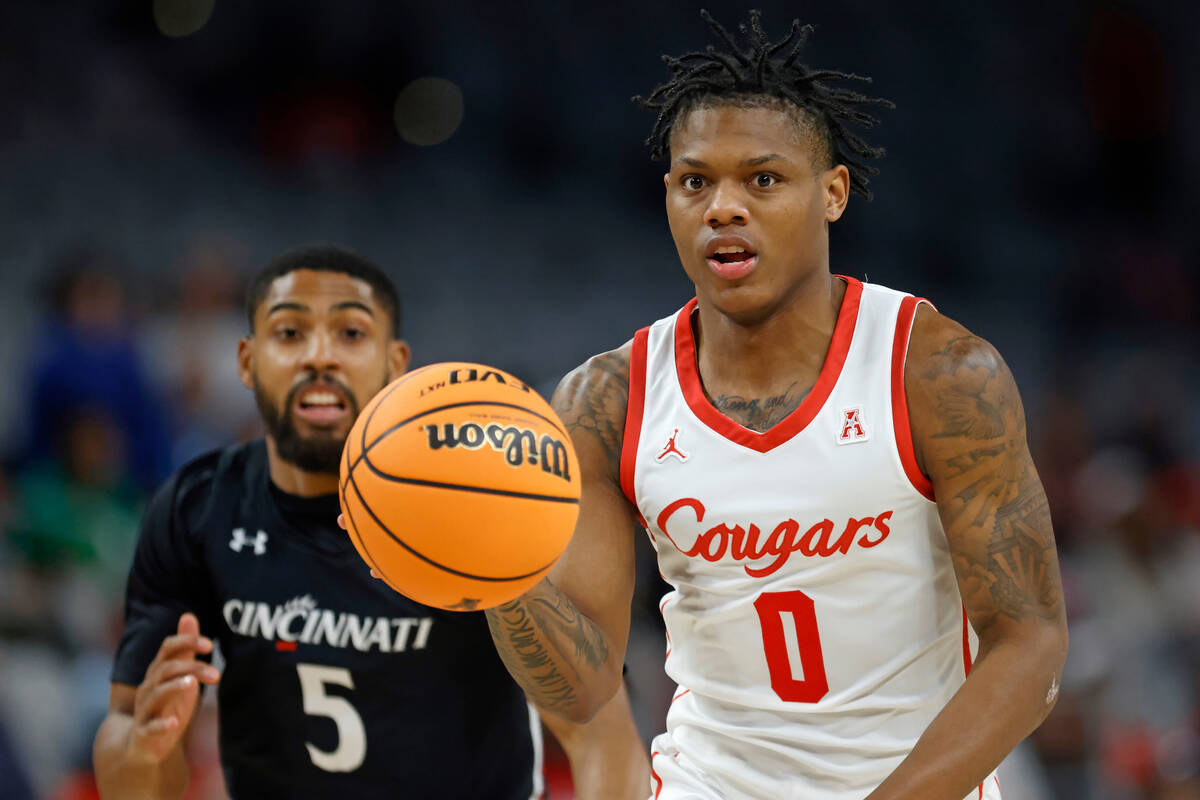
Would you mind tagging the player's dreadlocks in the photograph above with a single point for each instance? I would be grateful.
(757, 76)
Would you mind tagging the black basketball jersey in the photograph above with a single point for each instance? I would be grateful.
(334, 686)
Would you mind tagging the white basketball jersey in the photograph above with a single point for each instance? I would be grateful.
(815, 628)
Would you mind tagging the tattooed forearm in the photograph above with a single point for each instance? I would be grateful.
(534, 634)
(594, 398)
(559, 613)
(516, 639)
(760, 413)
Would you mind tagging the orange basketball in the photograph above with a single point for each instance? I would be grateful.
(459, 486)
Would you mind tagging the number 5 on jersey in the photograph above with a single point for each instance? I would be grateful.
(352, 736)
(789, 631)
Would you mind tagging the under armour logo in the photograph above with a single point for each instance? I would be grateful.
(671, 449)
(852, 426)
(239, 541)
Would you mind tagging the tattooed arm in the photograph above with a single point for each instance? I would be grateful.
(564, 640)
(968, 429)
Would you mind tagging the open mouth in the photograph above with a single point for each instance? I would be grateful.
(731, 261)
(321, 406)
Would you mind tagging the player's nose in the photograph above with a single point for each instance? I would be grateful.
(321, 355)
(726, 206)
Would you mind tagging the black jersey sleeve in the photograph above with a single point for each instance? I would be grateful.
(169, 576)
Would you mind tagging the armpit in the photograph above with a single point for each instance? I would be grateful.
(592, 399)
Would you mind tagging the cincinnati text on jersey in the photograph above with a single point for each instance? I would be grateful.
(742, 543)
(299, 620)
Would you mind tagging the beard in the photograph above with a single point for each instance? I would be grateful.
(321, 452)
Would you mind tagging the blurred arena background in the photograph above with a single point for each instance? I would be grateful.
(1039, 187)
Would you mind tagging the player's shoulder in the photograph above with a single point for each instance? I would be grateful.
(603, 373)
(941, 346)
(195, 485)
(593, 399)
(956, 383)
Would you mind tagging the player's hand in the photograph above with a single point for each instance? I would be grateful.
(167, 697)
(342, 524)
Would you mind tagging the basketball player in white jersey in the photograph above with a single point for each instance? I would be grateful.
(835, 477)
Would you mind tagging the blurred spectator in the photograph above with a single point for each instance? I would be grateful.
(84, 358)
(191, 347)
(1130, 685)
(77, 505)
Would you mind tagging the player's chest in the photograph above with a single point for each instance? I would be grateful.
(279, 600)
(718, 508)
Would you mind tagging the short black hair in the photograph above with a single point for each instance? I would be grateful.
(325, 258)
(760, 75)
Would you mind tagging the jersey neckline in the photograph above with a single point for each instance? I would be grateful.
(327, 541)
(687, 368)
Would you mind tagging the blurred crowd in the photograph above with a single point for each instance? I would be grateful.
(1053, 220)
(117, 396)
(121, 388)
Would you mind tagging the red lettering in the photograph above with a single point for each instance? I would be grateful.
(852, 526)
(742, 547)
(742, 544)
(813, 545)
(881, 526)
(719, 534)
(780, 543)
(666, 513)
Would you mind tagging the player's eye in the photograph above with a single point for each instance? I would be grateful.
(354, 334)
(693, 183)
(287, 334)
(765, 180)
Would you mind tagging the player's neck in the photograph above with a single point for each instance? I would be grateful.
(293, 480)
(787, 346)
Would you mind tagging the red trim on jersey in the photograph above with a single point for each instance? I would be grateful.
(285, 647)
(654, 774)
(966, 645)
(904, 443)
(633, 414)
(981, 791)
(793, 423)
(666, 632)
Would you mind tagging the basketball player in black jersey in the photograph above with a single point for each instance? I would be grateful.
(333, 685)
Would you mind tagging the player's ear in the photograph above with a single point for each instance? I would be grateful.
(667, 180)
(399, 355)
(836, 185)
(245, 361)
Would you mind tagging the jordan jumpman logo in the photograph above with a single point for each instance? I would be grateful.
(672, 450)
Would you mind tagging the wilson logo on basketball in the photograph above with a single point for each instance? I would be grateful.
(742, 543)
(519, 445)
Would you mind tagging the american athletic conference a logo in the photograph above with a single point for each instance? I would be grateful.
(851, 426)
